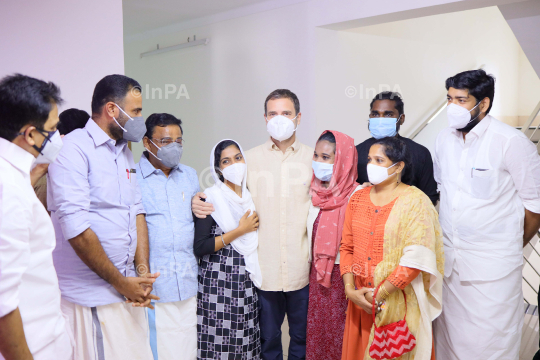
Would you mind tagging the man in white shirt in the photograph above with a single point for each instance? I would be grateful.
(488, 175)
(31, 323)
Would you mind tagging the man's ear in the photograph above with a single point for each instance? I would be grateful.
(146, 143)
(484, 106)
(402, 119)
(299, 119)
(111, 109)
(29, 136)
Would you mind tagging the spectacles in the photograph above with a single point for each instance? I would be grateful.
(49, 133)
(166, 141)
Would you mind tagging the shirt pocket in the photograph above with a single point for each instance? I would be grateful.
(482, 183)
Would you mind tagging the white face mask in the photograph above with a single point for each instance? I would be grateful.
(50, 149)
(280, 127)
(458, 116)
(235, 173)
(377, 174)
(322, 171)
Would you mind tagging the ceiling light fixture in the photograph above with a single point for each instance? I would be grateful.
(195, 42)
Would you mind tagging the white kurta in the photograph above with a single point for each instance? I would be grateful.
(28, 280)
(486, 182)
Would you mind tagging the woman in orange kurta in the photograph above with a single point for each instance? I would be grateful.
(382, 222)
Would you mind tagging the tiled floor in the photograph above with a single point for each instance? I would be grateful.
(285, 338)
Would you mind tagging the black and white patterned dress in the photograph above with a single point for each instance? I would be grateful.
(227, 312)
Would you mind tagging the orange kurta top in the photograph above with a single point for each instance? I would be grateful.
(360, 252)
(363, 239)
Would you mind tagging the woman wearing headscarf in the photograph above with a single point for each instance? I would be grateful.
(226, 243)
(335, 162)
(392, 262)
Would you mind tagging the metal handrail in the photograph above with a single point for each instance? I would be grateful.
(530, 120)
(531, 309)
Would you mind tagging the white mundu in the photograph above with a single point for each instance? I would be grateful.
(28, 280)
(486, 182)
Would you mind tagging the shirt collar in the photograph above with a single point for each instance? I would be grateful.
(148, 169)
(16, 156)
(482, 126)
(478, 130)
(273, 147)
(99, 136)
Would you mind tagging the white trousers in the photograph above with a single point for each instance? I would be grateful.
(173, 330)
(480, 320)
(116, 331)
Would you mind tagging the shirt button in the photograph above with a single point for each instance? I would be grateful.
(369, 284)
(369, 258)
(376, 211)
(371, 233)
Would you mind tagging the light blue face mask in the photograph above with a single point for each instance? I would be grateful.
(322, 171)
(383, 127)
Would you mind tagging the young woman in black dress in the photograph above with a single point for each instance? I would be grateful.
(226, 243)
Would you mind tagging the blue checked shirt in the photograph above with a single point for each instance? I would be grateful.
(167, 202)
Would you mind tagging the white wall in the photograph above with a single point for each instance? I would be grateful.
(249, 56)
(415, 57)
(529, 90)
(71, 43)
(229, 79)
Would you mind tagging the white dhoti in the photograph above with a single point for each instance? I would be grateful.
(60, 349)
(173, 330)
(116, 331)
(481, 320)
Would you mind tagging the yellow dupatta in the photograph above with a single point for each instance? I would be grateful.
(413, 238)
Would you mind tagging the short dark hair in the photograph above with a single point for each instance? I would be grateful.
(283, 94)
(25, 101)
(479, 84)
(72, 119)
(328, 136)
(112, 88)
(396, 150)
(217, 154)
(161, 120)
(389, 95)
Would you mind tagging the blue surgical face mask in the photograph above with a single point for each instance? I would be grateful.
(322, 171)
(383, 127)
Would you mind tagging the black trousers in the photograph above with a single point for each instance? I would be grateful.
(273, 307)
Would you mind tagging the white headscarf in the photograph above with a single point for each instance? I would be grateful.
(229, 208)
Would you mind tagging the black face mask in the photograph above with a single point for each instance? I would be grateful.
(473, 123)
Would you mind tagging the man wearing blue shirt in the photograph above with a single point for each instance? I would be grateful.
(167, 188)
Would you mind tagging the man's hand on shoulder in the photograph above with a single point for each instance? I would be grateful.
(200, 208)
